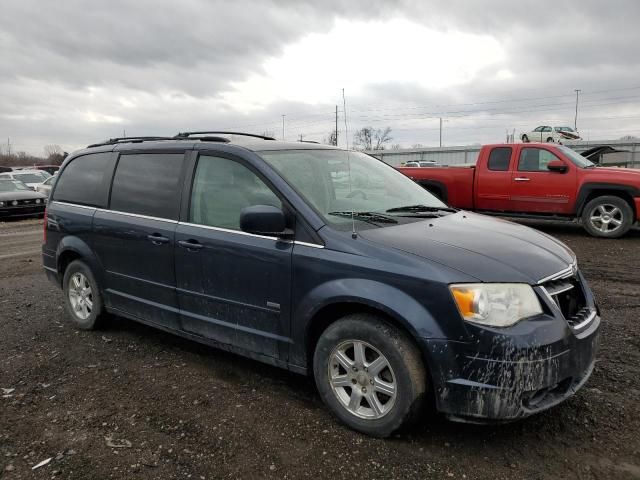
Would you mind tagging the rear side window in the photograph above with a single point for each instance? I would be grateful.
(499, 159)
(82, 180)
(148, 184)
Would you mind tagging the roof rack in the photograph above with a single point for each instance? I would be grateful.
(183, 135)
(208, 139)
(114, 141)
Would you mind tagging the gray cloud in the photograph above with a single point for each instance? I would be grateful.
(74, 73)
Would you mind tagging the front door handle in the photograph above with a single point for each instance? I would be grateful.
(157, 239)
(190, 244)
(522, 179)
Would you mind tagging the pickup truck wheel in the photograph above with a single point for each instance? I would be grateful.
(607, 216)
(370, 374)
(550, 140)
(525, 139)
(82, 296)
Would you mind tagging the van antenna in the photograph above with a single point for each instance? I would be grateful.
(354, 234)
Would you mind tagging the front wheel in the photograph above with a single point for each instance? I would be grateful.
(525, 139)
(370, 374)
(607, 216)
(550, 140)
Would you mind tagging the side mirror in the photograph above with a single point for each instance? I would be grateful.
(263, 220)
(557, 166)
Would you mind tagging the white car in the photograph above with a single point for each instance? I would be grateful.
(45, 187)
(547, 133)
(31, 178)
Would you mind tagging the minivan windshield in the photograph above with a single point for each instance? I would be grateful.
(576, 158)
(338, 184)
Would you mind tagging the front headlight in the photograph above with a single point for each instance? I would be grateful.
(495, 304)
(1, 204)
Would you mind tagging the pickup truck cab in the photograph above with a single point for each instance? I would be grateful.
(540, 180)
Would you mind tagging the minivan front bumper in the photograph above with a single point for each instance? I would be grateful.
(480, 388)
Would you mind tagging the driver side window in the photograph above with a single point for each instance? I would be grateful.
(535, 159)
(222, 188)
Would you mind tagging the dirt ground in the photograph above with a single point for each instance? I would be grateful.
(131, 402)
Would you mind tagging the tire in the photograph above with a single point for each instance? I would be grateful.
(403, 375)
(607, 217)
(550, 140)
(525, 139)
(82, 296)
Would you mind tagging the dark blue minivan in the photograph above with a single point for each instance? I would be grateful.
(326, 262)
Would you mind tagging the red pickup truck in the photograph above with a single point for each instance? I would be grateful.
(542, 180)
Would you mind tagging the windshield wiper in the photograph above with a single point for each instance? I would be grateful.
(421, 208)
(371, 217)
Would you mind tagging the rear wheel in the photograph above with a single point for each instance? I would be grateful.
(370, 374)
(525, 139)
(607, 216)
(82, 296)
(550, 140)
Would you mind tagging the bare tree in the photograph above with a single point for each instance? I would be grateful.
(331, 139)
(396, 146)
(363, 138)
(369, 138)
(54, 154)
(19, 159)
(50, 150)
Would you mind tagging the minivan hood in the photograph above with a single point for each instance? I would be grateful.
(489, 249)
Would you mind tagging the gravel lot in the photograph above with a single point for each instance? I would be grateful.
(131, 402)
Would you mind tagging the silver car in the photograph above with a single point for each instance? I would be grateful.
(45, 187)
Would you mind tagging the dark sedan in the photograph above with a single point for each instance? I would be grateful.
(18, 200)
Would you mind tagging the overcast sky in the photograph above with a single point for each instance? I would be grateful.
(74, 72)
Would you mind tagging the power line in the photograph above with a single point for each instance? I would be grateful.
(488, 102)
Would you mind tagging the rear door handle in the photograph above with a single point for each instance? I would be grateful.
(522, 179)
(157, 239)
(190, 244)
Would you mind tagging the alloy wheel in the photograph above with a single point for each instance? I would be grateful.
(606, 218)
(80, 295)
(362, 379)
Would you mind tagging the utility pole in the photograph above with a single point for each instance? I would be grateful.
(335, 140)
(440, 131)
(301, 135)
(8, 146)
(283, 127)
(575, 121)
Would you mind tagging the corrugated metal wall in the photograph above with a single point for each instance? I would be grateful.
(469, 154)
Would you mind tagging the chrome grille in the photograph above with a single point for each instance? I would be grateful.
(568, 296)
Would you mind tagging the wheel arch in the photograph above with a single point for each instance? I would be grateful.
(589, 191)
(365, 296)
(73, 248)
(436, 188)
